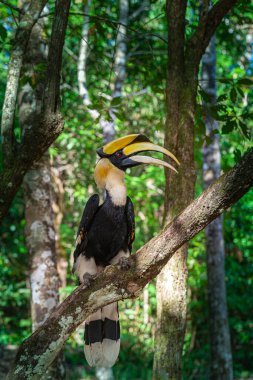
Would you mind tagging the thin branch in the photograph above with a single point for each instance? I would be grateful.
(160, 15)
(71, 54)
(40, 349)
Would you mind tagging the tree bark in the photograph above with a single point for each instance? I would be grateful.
(35, 141)
(182, 81)
(39, 350)
(58, 210)
(179, 138)
(40, 240)
(221, 355)
(40, 232)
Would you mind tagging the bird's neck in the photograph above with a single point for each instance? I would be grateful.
(116, 188)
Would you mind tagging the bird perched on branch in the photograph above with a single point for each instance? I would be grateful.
(105, 236)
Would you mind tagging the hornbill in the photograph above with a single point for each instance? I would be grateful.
(105, 236)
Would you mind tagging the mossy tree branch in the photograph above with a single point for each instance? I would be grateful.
(40, 349)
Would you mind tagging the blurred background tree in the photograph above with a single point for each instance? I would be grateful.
(139, 108)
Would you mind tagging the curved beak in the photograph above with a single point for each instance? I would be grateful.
(134, 160)
(129, 146)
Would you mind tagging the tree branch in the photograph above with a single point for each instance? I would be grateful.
(52, 88)
(199, 41)
(46, 126)
(22, 36)
(39, 350)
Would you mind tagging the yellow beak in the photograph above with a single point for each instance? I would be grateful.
(147, 146)
(128, 146)
(118, 144)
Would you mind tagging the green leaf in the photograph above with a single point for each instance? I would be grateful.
(208, 140)
(116, 101)
(225, 81)
(229, 127)
(120, 116)
(245, 129)
(245, 81)
(237, 155)
(205, 96)
(247, 115)
(215, 132)
(100, 29)
(200, 127)
(233, 95)
(221, 98)
(159, 90)
(215, 114)
(40, 67)
(240, 91)
(3, 33)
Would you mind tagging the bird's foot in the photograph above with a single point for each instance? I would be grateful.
(87, 279)
(124, 263)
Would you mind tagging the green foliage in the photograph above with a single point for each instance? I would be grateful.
(14, 302)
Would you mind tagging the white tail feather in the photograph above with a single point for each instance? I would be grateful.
(105, 353)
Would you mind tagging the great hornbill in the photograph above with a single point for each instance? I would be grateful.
(105, 236)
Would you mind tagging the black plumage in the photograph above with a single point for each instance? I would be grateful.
(105, 230)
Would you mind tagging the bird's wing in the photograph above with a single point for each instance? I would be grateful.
(89, 211)
(130, 223)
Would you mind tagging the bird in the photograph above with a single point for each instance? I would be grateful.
(105, 236)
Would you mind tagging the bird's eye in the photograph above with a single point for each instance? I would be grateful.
(119, 154)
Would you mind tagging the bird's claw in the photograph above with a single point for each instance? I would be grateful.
(87, 279)
(124, 263)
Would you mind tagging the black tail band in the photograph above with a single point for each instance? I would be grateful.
(96, 331)
(111, 329)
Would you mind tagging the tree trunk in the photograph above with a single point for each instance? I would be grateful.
(40, 232)
(171, 283)
(40, 238)
(182, 79)
(221, 355)
(179, 138)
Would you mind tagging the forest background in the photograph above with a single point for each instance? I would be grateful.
(129, 94)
